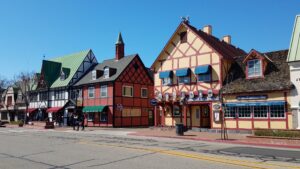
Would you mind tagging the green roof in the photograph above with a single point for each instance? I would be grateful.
(69, 65)
(92, 109)
(294, 52)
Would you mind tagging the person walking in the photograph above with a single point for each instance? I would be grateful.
(75, 122)
(83, 121)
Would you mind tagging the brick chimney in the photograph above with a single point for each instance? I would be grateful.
(207, 29)
(227, 39)
(120, 47)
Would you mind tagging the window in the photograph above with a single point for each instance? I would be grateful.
(94, 75)
(230, 112)
(91, 116)
(103, 91)
(144, 92)
(184, 79)
(106, 72)
(33, 97)
(128, 91)
(167, 81)
(43, 96)
(183, 37)
(91, 92)
(260, 111)
(254, 68)
(244, 111)
(59, 95)
(103, 116)
(204, 77)
(62, 76)
(9, 101)
(176, 110)
(277, 111)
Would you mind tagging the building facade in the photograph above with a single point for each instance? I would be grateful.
(53, 95)
(117, 92)
(294, 63)
(188, 75)
(13, 107)
(256, 94)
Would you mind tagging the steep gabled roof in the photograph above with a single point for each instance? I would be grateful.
(226, 50)
(276, 76)
(294, 52)
(69, 64)
(118, 65)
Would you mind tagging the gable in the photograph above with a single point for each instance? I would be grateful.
(136, 72)
(294, 52)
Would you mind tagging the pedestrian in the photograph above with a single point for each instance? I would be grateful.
(83, 121)
(73, 121)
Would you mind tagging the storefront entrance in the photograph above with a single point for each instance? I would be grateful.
(200, 116)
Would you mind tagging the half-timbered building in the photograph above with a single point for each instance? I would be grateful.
(188, 75)
(53, 92)
(116, 92)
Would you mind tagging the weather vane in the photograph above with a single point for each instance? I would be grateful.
(185, 19)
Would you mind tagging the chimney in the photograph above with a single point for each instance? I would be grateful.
(207, 29)
(119, 47)
(227, 39)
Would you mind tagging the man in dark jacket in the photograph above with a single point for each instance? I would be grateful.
(83, 117)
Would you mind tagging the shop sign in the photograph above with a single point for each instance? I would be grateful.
(216, 115)
(153, 102)
(216, 107)
(252, 97)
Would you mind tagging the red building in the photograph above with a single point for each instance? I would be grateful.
(117, 92)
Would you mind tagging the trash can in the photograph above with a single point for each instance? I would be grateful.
(179, 129)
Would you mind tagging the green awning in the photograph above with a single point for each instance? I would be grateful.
(88, 109)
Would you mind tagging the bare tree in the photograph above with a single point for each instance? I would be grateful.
(25, 81)
(4, 83)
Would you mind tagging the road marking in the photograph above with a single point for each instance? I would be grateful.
(244, 163)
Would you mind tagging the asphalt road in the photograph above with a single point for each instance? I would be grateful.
(114, 149)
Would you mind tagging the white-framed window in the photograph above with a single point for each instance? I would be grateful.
(91, 92)
(167, 81)
(277, 111)
(254, 68)
(106, 72)
(260, 111)
(184, 79)
(94, 75)
(59, 95)
(103, 91)
(144, 92)
(244, 111)
(127, 91)
(91, 116)
(230, 112)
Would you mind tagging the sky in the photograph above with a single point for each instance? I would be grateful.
(32, 29)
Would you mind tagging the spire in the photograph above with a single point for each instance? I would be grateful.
(120, 39)
(120, 48)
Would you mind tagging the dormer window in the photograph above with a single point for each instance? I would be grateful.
(62, 75)
(254, 68)
(94, 75)
(106, 72)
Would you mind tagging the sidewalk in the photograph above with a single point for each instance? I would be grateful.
(216, 137)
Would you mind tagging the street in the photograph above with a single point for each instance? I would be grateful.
(114, 149)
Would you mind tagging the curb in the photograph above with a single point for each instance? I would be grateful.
(223, 141)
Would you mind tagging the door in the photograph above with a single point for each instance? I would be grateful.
(205, 116)
(195, 112)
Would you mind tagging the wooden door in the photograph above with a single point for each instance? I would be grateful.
(195, 112)
(205, 116)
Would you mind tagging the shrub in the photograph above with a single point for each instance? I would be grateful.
(278, 133)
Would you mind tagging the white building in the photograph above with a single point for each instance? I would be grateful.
(294, 63)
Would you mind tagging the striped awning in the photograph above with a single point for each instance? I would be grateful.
(90, 109)
(202, 69)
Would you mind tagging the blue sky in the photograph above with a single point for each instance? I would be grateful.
(33, 28)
